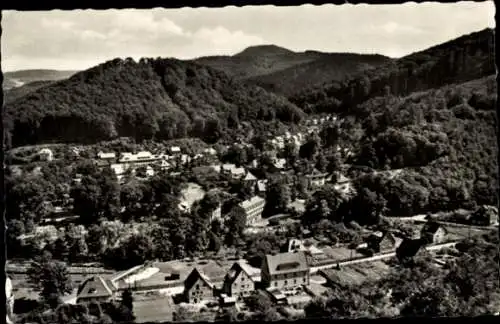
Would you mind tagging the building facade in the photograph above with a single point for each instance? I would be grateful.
(198, 288)
(253, 209)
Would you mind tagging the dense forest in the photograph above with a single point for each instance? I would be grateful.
(466, 58)
(327, 68)
(285, 72)
(150, 99)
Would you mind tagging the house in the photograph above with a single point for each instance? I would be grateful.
(238, 282)
(485, 216)
(95, 289)
(285, 270)
(210, 151)
(253, 209)
(261, 187)
(279, 164)
(383, 242)
(141, 158)
(316, 179)
(250, 179)
(297, 245)
(106, 156)
(433, 233)
(409, 248)
(46, 154)
(341, 179)
(232, 170)
(198, 288)
(175, 150)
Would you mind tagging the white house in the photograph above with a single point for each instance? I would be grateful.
(46, 154)
(106, 156)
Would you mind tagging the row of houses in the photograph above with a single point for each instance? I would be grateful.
(206, 281)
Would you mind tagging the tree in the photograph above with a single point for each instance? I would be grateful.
(15, 228)
(51, 278)
(235, 224)
(278, 196)
(128, 299)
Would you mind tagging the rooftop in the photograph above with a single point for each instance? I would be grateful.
(287, 262)
(249, 202)
(95, 286)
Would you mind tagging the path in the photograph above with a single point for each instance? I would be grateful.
(377, 257)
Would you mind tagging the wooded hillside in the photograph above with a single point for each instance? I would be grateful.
(466, 58)
(154, 98)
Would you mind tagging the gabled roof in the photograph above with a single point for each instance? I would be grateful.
(193, 278)
(95, 286)
(287, 262)
(249, 177)
(235, 271)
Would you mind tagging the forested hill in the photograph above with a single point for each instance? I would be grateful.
(284, 71)
(152, 98)
(258, 60)
(328, 67)
(466, 58)
(18, 92)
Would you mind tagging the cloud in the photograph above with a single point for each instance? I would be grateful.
(81, 37)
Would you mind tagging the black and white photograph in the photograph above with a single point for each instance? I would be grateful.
(250, 163)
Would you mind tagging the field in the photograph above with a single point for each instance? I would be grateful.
(153, 309)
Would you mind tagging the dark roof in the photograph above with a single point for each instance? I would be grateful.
(95, 286)
(287, 262)
(235, 271)
(193, 278)
(388, 236)
(409, 247)
(432, 227)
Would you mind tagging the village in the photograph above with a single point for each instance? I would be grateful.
(305, 269)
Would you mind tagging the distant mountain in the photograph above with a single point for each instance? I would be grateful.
(257, 60)
(283, 71)
(328, 67)
(466, 58)
(152, 98)
(19, 78)
(20, 91)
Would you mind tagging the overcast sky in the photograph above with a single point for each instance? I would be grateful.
(79, 39)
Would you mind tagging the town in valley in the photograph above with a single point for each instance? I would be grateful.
(266, 184)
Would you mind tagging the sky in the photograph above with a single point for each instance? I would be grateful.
(80, 39)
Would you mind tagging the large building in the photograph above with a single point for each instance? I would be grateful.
(316, 179)
(285, 271)
(253, 209)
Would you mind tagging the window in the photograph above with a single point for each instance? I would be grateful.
(242, 278)
(294, 281)
(305, 280)
(286, 282)
(275, 284)
(198, 286)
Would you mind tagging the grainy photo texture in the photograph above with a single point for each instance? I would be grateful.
(250, 163)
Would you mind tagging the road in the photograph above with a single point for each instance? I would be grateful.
(377, 257)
